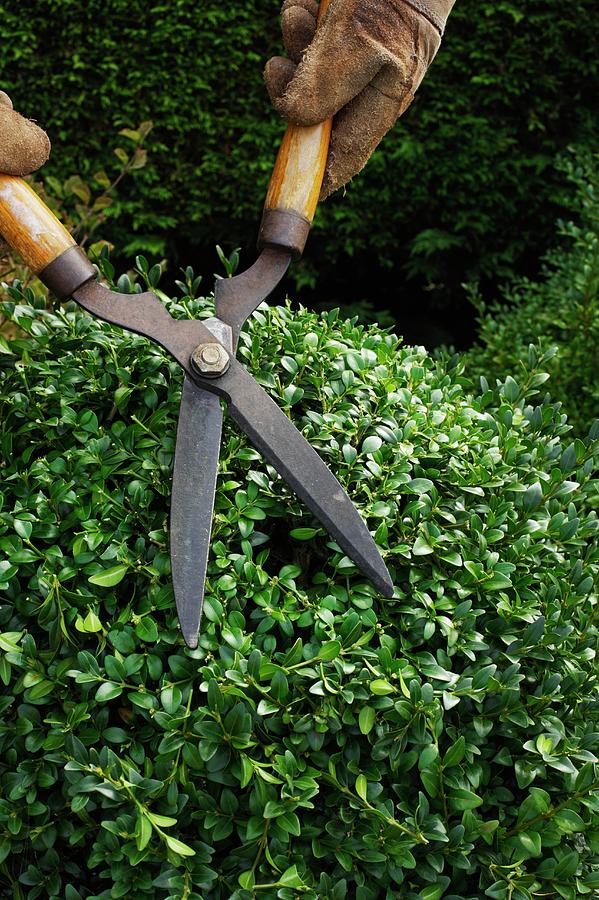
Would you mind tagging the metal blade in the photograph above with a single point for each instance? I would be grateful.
(147, 315)
(235, 299)
(289, 452)
(192, 502)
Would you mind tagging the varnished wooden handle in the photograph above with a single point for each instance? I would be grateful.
(28, 226)
(299, 169)
(296, 181)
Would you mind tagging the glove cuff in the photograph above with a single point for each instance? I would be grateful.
(436, 11)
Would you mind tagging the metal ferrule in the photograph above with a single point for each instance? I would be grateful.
(285, 229)
(67, 272)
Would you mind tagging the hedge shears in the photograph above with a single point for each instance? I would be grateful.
(206, 352)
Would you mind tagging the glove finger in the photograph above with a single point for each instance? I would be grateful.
(24, 147)
(5, 100)
(358, 129)
(278, 72)
(336, 67)
(298, 25)
(310, 5)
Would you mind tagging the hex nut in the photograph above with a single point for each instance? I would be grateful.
(210, 360)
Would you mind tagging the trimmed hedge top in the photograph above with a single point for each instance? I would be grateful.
(320, 742)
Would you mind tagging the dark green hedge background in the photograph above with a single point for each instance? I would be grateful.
(464, 187)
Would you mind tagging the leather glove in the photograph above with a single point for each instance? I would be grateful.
(362, 66)
(24, 147)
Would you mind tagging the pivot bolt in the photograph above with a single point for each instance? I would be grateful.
(210, 360)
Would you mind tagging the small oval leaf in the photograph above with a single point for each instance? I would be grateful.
(109, 577)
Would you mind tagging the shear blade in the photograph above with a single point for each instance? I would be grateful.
(192, 502)
(299, 464)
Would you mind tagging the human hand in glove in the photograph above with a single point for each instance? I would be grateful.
(24, 147)
(362, 66)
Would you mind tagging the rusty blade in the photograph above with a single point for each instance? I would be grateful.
(295, 459)
(192, 502)
(192, 496)
(198, 445)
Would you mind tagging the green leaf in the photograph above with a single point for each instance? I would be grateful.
(290, 823)
(453, 558)
(226, 583)
(267, 776)
(349, 454)
(511, 389)
(9, 641)
(530, 843)
(290, 365)
(109, 577)
(532, 496)
(41, 689)
(290, 878)
(178, 847)
(273, 808)
(567, 865)
(432, 892)
(247, 770)
(115, 735)
(161, 821)
(329, 650)
(371, 444)
(5, 346)
(497, 582)
(419, 485)
(171, 698)
(91, 623)
(247, 880)
(108, 691)
(144, 832)
(147, 630)
(361, 786)
(366, 719)
(568, 821)
(292, 394)
(421, 547)
(460, 799)
(304, 534)
(380, 687)
(23, 529)
(455, 754)
(403, 687)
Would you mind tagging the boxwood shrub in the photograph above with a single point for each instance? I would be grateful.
(320, 742)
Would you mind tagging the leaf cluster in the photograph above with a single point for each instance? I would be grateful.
(559, 312)
(320, 742)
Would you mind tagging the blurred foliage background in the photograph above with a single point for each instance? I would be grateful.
(559, 310)
(464, 189)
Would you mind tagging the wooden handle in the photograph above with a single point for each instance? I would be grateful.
(299, 169)
(296, 181)
(28, 226)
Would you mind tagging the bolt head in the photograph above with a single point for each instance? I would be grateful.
(210, 360)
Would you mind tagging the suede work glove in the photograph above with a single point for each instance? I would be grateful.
(363, 66)
(24, 147)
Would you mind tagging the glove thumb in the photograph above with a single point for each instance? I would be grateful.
(24, 147)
